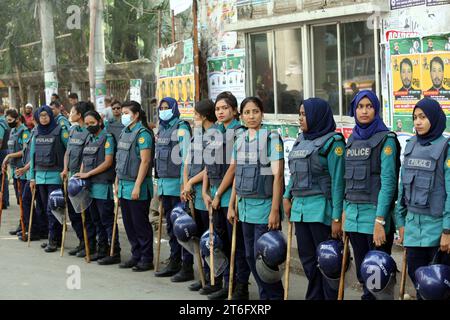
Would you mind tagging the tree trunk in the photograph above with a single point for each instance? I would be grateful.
(48, 49)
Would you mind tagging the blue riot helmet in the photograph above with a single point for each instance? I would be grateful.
(177, 211)
(57, 204)
(185, 230)
(220, 259)
(378, 271)
(433, 282)
(271, 250)
(79, 194)
(330, 255)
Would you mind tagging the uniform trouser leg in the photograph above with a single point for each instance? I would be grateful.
(220, 228)
(138, 228)
(75, 221)
(54, 227)
(94, 213)
(361, 244)
(16, 190)
(169, 203)
(242, 269)
(202, 221)
(40, 214)
(106, 210)
(417, 257)
(309, 236)
(5, 199)
(252, 232)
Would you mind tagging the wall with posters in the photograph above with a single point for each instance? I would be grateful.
(176, 75)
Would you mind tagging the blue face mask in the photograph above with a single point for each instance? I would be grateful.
(126, 119)
(165, 115)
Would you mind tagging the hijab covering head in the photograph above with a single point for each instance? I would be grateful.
(45, 129)
(173, 105)
(365, 131)
(319, 118)
(435, 115)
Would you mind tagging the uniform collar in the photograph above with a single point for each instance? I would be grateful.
(234, 123)
(136, 127)
(102, 133)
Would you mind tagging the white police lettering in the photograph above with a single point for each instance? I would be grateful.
(299, 153)
(123, 145)
(358, 152)
(44, 140)
(76, 141)
(90, 149)
(163, 141)
(420, 163)
(196, 310)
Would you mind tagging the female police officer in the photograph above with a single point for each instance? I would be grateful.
(423, 214)
(316, 165)
(258, 157)
(220, 175)
(204, 118)
(72, 162)
(134, 185)
(371, 175)
(47, 161)
(171, 147)
(97, 166)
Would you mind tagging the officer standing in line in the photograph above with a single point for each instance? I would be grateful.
(316, 164)
(218, 182)
(372, 162)
(72, 162)
(4, 137)
(204, 118)
(423, 214)
(258, 158)
(39, 228)
(59, 118)
(115, 126)
(47, 161)
(134, 185)
(19, 133)
(173, 136)
(98, 169)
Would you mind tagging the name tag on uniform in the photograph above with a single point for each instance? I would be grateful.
(45, 140)
(419, 163)
(90, 149)
(299, 153)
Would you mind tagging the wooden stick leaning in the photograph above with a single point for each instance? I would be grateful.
(65, 218)
(288, 261)
(403, 279)
(233, 252)
(211, 247)
(113, 238)
(201, 272)
(1, 194)
(343, 269)
(30, 222)
(158, 243)
(85, 236)
(22, 222)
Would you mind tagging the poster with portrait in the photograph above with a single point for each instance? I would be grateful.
(436, 78)
(176, 75)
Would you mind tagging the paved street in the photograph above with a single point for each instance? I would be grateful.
(30, 273)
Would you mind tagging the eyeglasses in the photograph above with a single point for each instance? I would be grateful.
(116, 108)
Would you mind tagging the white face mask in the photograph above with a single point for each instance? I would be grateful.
(166, 115)
(126, 119)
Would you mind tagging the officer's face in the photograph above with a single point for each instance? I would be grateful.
(224, 112)
(74, 116)
(134, 116)
(73, 101)
(302, 119)
(406, 74)
(91, 121)
(44, 118)
(11, 120)
(55, 110)
(365, 112)
(421, 122)
(437, 74)
(164, 106)
(252, 116)
(116, 109)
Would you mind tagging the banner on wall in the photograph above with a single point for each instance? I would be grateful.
(400, 4)
(176, 76)
(420, 67)
(227, 73)
(431, 3)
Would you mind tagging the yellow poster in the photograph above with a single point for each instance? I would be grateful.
(436, 78)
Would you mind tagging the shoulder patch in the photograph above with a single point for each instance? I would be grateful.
(278, 147)
(25, 135)
(65, 135)
(107, 144)
(448, 163)
(339, 151)
(181, 132)
(141, 140)
(387, 150)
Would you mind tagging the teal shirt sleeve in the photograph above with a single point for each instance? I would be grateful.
(446, 215)
(32, 175)
(144, 141)
(184, 140)
(23, 138)
(336, 167)
(388, 177)
(287, 193)
(110, 146)
(64, 136)
(2, 132)
(276, 150)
